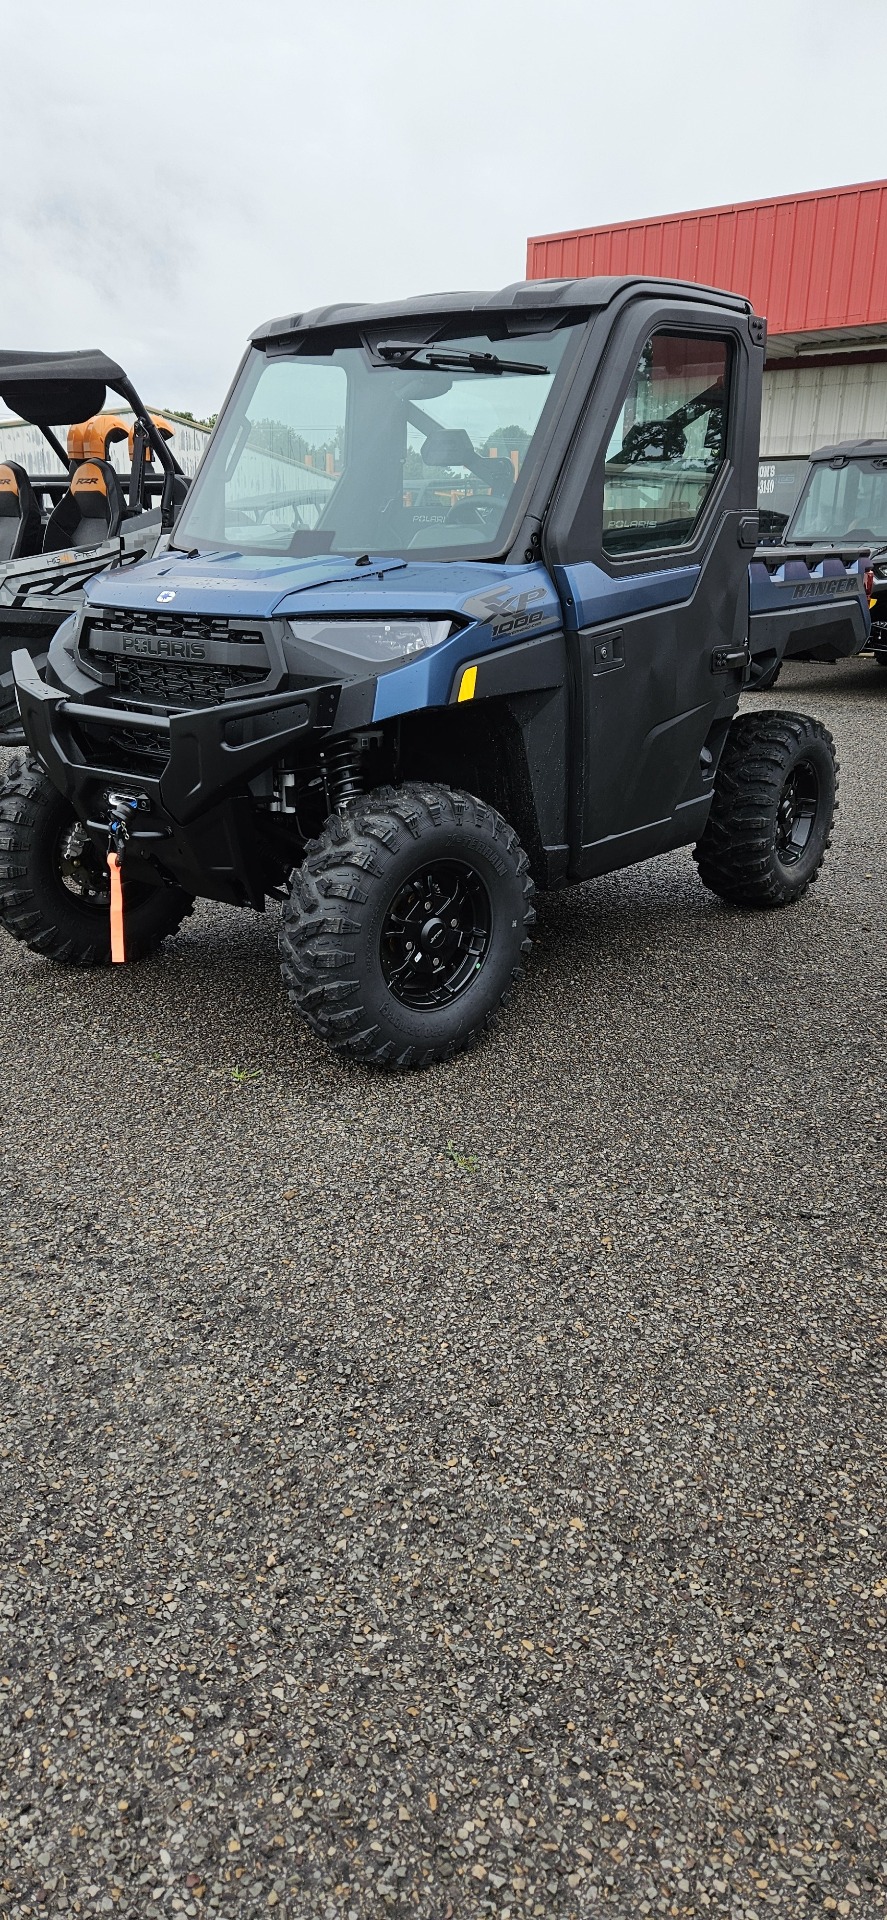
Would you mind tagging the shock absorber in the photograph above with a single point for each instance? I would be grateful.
(343, 771)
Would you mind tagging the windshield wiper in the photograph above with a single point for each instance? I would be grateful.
(399, 353)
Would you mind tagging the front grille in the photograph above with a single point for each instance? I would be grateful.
(157, 658)
(177, 626)
(174, 683)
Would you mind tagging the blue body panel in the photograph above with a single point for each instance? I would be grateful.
(228, 584)
(591, 595)
(771, 592)
(499, 604)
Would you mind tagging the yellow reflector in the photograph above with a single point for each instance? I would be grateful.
(468, 684)
(872, 603)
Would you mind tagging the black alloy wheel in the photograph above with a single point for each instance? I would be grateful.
(772, 809)
(80, 867)
(436, 934)
(796, 812)
(407, 925)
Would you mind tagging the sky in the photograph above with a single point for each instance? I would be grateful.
(179, 171)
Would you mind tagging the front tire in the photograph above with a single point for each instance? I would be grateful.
(55, 889)
(407, 925)
(771, 815)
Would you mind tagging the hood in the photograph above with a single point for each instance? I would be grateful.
(225, 583)
(232, 585)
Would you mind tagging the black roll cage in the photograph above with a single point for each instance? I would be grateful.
(42, 387)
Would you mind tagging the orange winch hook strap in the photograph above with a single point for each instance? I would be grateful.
(118, 951)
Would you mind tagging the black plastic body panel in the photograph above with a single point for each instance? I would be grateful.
(641, 783)
(813, 633)
(527, 666)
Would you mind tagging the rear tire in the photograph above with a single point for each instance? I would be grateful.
(767, 679)
(771, 816)
(54, 890)
(407, 925)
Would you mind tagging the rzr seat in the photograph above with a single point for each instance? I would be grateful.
(91, 511)
(20, 520)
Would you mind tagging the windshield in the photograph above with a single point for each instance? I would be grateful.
(360, 450)
(843, 503)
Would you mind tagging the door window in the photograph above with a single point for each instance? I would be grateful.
(668, 445)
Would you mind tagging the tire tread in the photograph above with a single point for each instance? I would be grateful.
(24, 796)
(735, 853)
(314, 950)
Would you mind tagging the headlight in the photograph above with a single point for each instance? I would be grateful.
(379, 641)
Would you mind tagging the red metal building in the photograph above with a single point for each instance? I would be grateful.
(814, 263)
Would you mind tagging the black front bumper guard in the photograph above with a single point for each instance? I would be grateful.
(198, 831)
(212, 752)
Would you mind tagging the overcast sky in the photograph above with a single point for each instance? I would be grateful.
(177, 171)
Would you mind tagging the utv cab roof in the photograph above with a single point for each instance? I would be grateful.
(853, 450)
(530, 295)
(48, 388)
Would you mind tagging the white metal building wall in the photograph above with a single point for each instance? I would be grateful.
(808, 407)
(27, 445)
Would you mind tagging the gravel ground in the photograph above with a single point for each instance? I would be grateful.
(458, 1495)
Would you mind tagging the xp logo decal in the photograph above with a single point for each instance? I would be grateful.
(508, 612)
(164, 598)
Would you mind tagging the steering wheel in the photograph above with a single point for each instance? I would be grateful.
(470, 513)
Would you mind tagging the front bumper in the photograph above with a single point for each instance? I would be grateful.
(197, 823)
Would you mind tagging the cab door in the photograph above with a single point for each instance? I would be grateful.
(649, 548)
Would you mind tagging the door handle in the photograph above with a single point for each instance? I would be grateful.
(729, 660)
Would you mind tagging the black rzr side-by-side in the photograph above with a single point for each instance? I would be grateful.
(68, 519)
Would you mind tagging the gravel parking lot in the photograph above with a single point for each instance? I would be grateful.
(457, 1495)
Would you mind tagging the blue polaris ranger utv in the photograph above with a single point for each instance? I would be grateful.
(457, 607)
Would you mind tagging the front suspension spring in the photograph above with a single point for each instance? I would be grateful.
(343, 768)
